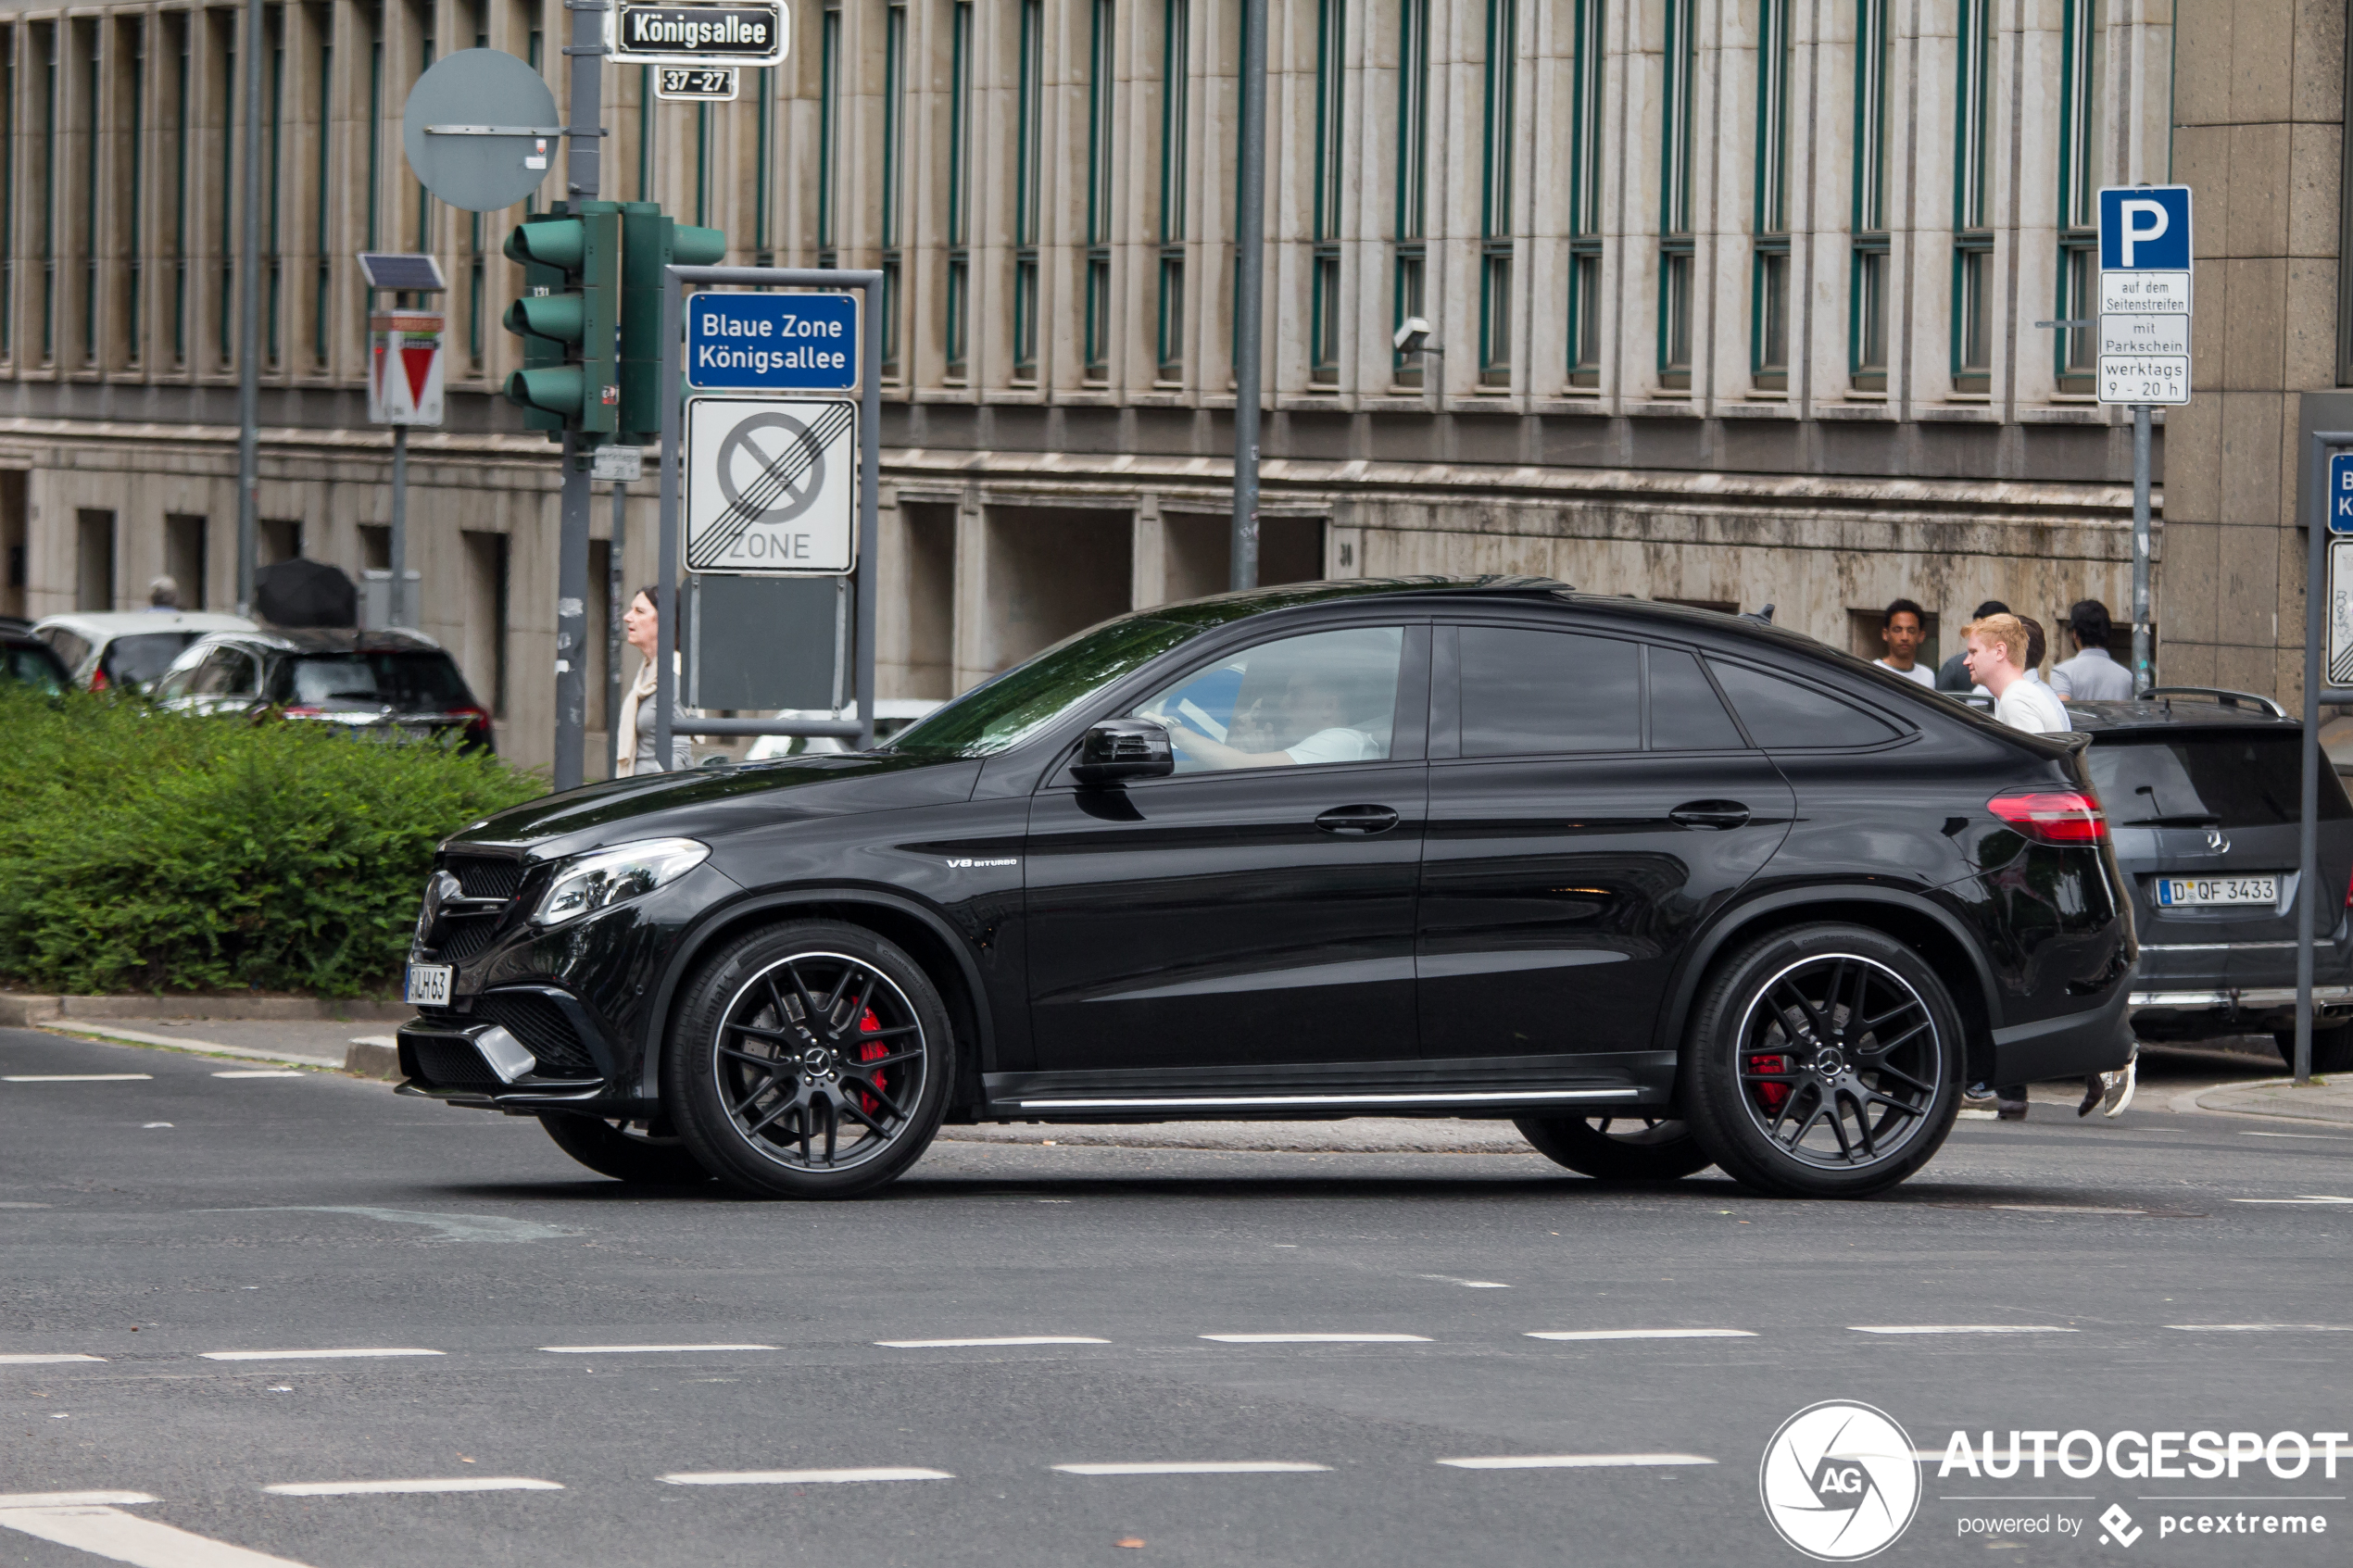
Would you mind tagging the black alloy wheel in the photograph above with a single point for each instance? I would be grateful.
(809, 1060)
(1823, 1063)
(623, 1151)
(2331, 1048)
(1616, 1148)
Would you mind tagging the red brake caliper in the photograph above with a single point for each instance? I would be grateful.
(1771, 1095)
(872, 1050)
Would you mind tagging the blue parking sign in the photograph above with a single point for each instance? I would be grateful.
(2341, 492)
(772, 341)
(2145, 229)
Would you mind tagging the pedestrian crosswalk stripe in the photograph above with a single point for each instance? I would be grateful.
(1195, 1467)
(803, 1477)
(980, 1344)
(34, 1359)
(144, 1543)
(1642, 1334)
(1573, 1462)
(307, 1355)
(444, 1484)
(640, 1350)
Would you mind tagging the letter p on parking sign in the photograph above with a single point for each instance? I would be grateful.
(2145, 229)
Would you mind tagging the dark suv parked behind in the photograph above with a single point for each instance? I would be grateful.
(380, 684)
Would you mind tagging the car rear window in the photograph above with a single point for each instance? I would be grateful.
(1528, 692)
(1782, 714)
(142, 657)
(2199, 781)
(34, 667)
(414, 682)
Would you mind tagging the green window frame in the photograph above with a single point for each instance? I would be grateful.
(645, 126)
(764, 136)
(1409, 258)
(1770, 268)
(894, 152)
(1974, 302)
(11, 42)
(1500, 127)
(1870, 273)
(1323, 305)
(424, 197)
(93, 141)
(1028, 170)
(321, 232)
(1176, 88)
(477, 271)
(2078, 157)
(273, 317)
(829, 65)
(956, 301)
(1587, 61)
(186, 72)
(1677, 247)
(49, 194)
(135, 32)
(377, 122)
(1102, 77)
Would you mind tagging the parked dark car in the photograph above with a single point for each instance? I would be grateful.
(1663, 887)
(2204, 791)
(377, 685)
(27, 661)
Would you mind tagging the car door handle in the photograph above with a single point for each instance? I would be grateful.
(1710, 814)
(1360, 821)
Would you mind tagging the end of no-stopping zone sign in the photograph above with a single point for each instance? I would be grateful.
(771, 485)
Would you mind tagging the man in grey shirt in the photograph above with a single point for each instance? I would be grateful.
(2090, 675)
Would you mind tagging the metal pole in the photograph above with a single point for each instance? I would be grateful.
(666, 545)
(582, 156)
(2307, 835)
(2142, 676)
(1250, 234)
(869, 486)
(616, 579)
(394, 607)
(250, 323)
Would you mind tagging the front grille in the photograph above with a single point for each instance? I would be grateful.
(485, 876)
(462, 938)
(449, 1064)
(542, 1025)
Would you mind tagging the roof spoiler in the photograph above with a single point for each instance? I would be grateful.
(2227, 697)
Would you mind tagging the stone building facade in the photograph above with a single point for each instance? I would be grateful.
(1738, 299)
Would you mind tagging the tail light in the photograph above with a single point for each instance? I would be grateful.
(98, 680)
(2052, 816)
(477, 724)
(2348, 895)
(302, 712)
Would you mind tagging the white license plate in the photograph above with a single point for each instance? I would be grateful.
(428, 986)
(2191, 892)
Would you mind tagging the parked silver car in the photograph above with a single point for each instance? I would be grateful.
(128, 649)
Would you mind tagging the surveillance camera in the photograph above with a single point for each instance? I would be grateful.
(1413, 336)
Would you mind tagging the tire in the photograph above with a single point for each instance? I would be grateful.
(809, 1060)
(1641, 1149)
(2331, 1048)
(610, 1149)
(1786, 1111)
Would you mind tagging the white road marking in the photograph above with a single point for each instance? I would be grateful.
(803, 1477)
(447, 1484)
(1573, 1462)
(150, 1126)
(1969, 1115)
(1643, 1334)
(2310, 1200)
(1319, 1338)
(72, 1499)
(2309, 1137)
(262, 1073)
(640, 1350)
(308, 1355)
(126, 1537)
(2063, 1208)
(1195, 1467)
(24, 1206)
(448, 1227)
(2262, 1327)
(76, 1078)
(1468, 1283)
(33, 1358)
(1959, 1328)
(983, 1344)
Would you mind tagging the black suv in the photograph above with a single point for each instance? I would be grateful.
(2203, 790)
(1666, 887)
(380, 684)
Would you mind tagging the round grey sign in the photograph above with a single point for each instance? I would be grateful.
(481, 129)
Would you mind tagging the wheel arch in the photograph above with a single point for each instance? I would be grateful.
(1916, 922)
(923, 933)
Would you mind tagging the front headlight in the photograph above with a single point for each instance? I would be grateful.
(612, 876)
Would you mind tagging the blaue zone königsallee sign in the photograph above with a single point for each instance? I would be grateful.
(744, 34)
(772, 342)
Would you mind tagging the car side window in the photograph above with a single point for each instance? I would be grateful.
(1782, 714)
(1529, 692)
(226, 672)
(1327, 696)
(1686, 714)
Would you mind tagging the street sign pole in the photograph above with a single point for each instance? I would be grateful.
(2330, 485)
(2144, 348)
(616, 586)
(581, 171)
(1250, 231)
(250, 324)
(2142, 676)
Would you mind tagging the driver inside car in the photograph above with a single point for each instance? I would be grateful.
(1309, 710)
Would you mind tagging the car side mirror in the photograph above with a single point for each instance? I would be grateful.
(1120, 749)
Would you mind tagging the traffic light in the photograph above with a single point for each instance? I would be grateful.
(650, 242)
(566, 317)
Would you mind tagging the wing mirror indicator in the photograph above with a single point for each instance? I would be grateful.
(1120, 749)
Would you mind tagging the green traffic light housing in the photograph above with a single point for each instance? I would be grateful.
(567, 317)
(563, 317)
(652, 241)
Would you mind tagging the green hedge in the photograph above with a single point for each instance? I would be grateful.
(142, 851)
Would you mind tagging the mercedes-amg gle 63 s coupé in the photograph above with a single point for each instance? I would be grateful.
(1663, 887)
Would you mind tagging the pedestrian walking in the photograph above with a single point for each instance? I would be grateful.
(1901, 632)
(642, 626)
(2090, 675)
(1952, 675)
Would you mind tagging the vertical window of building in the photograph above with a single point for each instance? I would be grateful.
(322, 272)
(10, 42)
(828, 131)
(894, 153)
(702, 166)
(1176, 53)
(2079, 258)
(1410, 260)
(185, 38)
(376, 121)
(94, 144)
(424, 197)
(1868, 273)
(645, 126)
(1585, 195)
(1101, 81)
(1769, 273)
(956, 326)
(477, 276)
(133, 33)
(764, 251)
(1973, 193)
(272, 314)
(225, 251)
(1331, 75)
(49, 193)
(1029, 114)
(1500, 135)
(1678, 257)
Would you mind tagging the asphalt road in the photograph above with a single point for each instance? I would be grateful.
(154, 1226)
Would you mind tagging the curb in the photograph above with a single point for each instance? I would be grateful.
(374, 1056)
(19, 1010)
(367, 1056)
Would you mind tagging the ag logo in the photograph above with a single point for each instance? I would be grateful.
(1839, 1480)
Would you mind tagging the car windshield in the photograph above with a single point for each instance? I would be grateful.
(2228, 780)
(1006, 710)
(423, 682)
(31, 667)
(139, 659)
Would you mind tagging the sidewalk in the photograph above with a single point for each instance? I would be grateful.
(2322, 1100)
(365, 1048)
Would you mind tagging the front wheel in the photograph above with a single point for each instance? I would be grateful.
(810, 1059)
(1616, 1148)
(612, 1149)
(1823, 1063)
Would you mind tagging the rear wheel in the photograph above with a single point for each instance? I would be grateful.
(1823, 1063)
(1616, 1148)
(2331, 1048)
(614, 1149)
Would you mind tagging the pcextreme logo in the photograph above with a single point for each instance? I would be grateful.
(1839, 1480)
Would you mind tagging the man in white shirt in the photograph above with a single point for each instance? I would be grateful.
(2090, 675)
(1998, 652)
(1903, 632)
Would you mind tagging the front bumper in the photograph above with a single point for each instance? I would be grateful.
(485, 1065)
